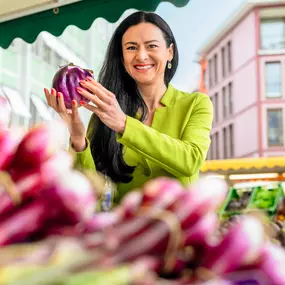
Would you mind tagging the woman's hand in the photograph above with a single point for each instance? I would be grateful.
(106, 106)
(70, 117)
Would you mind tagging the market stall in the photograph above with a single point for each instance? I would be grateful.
(52, 231)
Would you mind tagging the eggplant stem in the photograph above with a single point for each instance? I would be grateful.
(175, 233)
(90, 70)
(10, 187)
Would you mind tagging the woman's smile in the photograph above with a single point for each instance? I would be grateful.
(143, 67)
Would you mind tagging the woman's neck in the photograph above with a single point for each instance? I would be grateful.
(152, 95)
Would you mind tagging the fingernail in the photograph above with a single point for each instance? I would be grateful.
(82, 103)
(73, 102)
(53, 91)
(89, 78)
(45, 89)
(82, 82)
(58, 95)
(79, 89)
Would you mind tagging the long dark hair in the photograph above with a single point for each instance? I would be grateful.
(106, 151)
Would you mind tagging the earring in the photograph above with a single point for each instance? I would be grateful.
(169, 65)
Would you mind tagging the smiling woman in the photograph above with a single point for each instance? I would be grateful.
(145, 58)
(141, 126)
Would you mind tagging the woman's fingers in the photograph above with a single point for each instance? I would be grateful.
(91, 108)
(93, 98)
(96, 90)
(92, 80)
(74, 114)
(60, 104)
(47, 94)
(53, 99)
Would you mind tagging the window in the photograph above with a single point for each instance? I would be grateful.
(57, 60)
(275, 127)
(224, 102)
(210, 74)
(211, 153)
(217, 144)
(229, 48)
(214, 104)
(273, 79)
(216, 68)
(223, 62)
(272, 34)
(230, 98)
(47, 53)
(216, 107)
(35, 116)
(231, 139)
(225, 145)
(36, 48)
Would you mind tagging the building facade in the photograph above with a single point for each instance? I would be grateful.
(245, 62)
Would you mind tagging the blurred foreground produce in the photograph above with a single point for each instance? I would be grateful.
(163, 233)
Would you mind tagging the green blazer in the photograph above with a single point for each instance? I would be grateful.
(175, 145)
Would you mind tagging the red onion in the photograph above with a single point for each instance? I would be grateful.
(66, 80)
(272, 263)
(36, 147)
(242, 245)
(30, 184)
(7, 148)
(73, 193)
(69, 200)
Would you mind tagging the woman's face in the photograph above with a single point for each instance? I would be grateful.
(145, 53)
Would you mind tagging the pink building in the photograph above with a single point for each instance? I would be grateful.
(243, 76)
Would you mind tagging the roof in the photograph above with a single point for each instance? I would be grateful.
(232, 20)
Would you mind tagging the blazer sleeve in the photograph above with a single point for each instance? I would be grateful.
(180, 157)
(84, 159)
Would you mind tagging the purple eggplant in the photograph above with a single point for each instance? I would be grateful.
(66, 80)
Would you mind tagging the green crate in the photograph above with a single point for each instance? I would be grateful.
(261, 193)
(234, 194)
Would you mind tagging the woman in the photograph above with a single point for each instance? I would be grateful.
(141, 127)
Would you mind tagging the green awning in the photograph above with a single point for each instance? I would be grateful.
(81, 14)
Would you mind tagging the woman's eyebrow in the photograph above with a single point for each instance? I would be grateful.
(147, 42)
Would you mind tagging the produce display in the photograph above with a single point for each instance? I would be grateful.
(51, 232)
(265, 199)
(66, 79)
(239, 201)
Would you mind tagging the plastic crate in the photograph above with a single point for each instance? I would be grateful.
(277, 194)
(234, 195)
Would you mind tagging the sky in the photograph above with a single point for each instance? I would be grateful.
(192, 26)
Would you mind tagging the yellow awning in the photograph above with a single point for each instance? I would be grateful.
(259, 164)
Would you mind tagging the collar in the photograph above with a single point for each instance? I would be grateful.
(169, 97)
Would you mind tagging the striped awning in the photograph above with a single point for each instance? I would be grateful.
(25, 19)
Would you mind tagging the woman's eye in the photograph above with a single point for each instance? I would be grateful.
(153, 46)
(131, 48)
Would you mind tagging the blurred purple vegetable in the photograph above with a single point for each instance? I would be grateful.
(66, 80)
